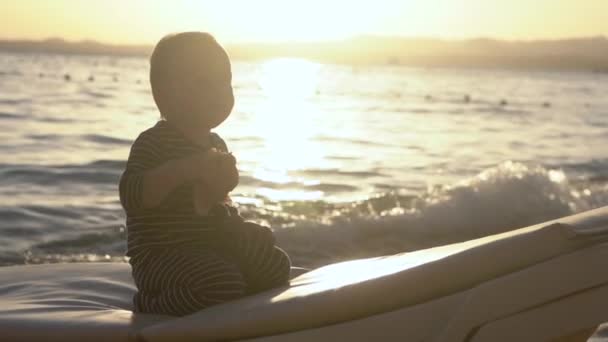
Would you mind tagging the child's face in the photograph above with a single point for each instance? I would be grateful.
(205, 90)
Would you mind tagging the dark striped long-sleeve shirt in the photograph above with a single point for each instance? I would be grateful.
(174, 221)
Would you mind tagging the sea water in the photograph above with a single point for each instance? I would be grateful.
(341, 161)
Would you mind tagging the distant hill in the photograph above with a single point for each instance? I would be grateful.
(577, 54)
(87, 47)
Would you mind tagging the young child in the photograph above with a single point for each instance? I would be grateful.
(187, 244)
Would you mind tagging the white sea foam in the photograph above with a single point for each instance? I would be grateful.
(509, 196)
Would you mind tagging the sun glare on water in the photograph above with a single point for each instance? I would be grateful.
(285, 122)
(289, 79)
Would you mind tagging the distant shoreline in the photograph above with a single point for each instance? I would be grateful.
(582, 54)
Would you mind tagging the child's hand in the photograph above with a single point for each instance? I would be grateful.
(220, 176)
(216, 169)
(202, 165)
(228, 173)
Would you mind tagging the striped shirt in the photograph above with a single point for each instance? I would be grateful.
(174, 221)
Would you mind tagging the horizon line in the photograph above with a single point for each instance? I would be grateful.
(323, 41)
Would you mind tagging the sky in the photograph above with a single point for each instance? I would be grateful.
(236, 21)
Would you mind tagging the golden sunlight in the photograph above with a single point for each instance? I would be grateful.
(286, 123)
(145, 21)
(289, 79)
(312, 20)
(352, 272)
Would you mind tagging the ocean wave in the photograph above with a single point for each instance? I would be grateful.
(44, 176)
(51, 119)
(10, 73)
(412, 110)
(594, 168)
(502, 110)
(107, 246)
(249, 139)
(324, 138)
(45, 137)
(98, 95)
(597, 122)
(15, 102)
(245, 180)
(4, 115)
(92, 242)
(104, 139)
(57, 213)
(337, 172)
(60, 220)
(107, 164)
(505, 197)
(314, 233)
(103, 171)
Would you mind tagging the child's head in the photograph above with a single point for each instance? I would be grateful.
(191, 79)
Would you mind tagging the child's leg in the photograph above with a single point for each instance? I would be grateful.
(179, 283)
(264, 265)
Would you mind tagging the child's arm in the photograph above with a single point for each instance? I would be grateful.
(148, 179)
(160, 181)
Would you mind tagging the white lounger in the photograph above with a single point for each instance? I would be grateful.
(531, 284)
